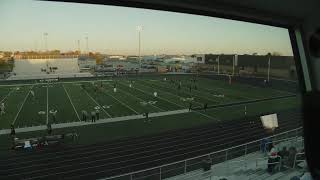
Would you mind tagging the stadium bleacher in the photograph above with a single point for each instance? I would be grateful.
(247, 168)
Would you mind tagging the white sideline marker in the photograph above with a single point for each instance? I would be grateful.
(162, 99)
(7, 95)
(24, 101)
(97, 103)
(142, 100)
(176, 96)
(71, 102)
(124, 104)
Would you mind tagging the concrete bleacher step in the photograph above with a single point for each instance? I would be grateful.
(233, 177)
(265, 175)
(288, 175)
(274, 176)
(255, 174)
(240, 172)
(187, 175)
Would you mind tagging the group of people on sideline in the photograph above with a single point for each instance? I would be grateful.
(95, 115)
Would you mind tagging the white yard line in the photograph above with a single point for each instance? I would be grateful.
(178, 95)
(141, 99)
(71, 102)
(174, 95)
(123, 104)
(163, 99)
(21, 106)
(7, 95)
(196, 95)
(97, 103)
(210, 117)
(209, 94)
(47, 104)
(230, 90)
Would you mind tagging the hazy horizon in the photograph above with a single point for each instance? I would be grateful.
(112, 30)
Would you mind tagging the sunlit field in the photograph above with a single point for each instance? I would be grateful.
(70, 99)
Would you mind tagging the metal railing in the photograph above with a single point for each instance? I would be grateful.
(191, 164)
(296, 160)
(243, 163)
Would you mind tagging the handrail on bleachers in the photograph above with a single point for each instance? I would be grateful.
(201, 156)
(296, 160)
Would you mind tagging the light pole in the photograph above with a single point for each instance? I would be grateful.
(218, 59)
(45, 35)
(233, 61)
(87, 44)
(139, 29)
(79, 46)
(269, 68)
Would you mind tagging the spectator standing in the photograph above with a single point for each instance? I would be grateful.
(84, 115)
(98, 114)
(49, 128)
(13, 131)
(205, 106)
(190, 106)
(93, 116)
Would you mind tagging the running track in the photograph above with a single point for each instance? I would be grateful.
(128, 155)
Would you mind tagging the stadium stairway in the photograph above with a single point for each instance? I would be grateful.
(133, 154)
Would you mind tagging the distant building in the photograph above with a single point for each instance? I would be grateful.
(114, 65)
(133, 58)
(197, 58)
(149, 58)
(86, 63)
(116, 58)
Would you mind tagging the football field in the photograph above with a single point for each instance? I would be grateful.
(32, 104)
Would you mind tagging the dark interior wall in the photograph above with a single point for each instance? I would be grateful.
(310, 25)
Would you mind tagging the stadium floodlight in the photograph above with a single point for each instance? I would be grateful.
(218, 60)
(139, 29)
(45, 35)
(233, 61)
(78, 45)
(87, 43)
(269, 67)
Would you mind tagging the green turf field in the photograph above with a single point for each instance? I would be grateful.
(70, 98)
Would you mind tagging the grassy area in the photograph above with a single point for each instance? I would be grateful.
(70, 99)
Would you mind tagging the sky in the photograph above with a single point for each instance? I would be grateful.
(113, 30)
